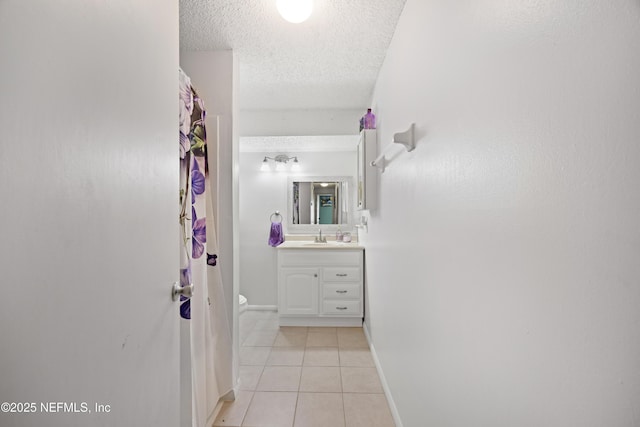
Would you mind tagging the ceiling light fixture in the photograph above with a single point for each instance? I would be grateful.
(295, 11)
(281, 161)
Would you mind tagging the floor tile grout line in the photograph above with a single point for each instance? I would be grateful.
(344, 409)
(295, 411)
(253, 394)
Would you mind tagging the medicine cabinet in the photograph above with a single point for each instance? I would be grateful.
(367, 174)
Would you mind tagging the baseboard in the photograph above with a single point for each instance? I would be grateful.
(229, 397)
(383, 380)
(263, 307)
(214, 414)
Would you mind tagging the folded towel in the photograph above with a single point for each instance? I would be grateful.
(275, 236)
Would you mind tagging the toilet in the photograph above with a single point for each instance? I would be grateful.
(243, 303)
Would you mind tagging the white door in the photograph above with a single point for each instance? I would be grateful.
(88, 213)
(299, 291)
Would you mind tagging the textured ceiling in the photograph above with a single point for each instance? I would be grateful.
(331, 61)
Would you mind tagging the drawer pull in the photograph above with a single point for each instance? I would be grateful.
(341, 274)
(341, 292)
(341, 308)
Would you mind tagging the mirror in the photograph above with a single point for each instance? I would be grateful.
(319, 201)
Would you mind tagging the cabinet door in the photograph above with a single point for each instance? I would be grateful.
(366, 174)
(298, 291)
(361, 173)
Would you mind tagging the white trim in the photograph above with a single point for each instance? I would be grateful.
(229, 397)
(263, 307)
(214, 414)
(385, 387)
(320, 321)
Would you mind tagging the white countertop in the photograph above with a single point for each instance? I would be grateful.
(309, 244)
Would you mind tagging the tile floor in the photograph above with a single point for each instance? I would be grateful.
(304, 377)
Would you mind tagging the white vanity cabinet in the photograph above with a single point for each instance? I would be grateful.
(320, 287)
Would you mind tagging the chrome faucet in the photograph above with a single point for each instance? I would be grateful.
(319, 238)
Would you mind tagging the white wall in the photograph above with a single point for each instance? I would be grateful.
(503, 262)
(261, 194)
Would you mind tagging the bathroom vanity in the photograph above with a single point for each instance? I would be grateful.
(320, 284)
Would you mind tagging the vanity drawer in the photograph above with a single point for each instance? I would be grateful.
(319, 257)
(341, 307)
(341, 291)
(341, 274)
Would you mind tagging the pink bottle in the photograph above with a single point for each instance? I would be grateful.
(369, 120)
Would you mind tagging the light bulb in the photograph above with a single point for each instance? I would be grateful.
(280, 167)
(295, 167)
(265, 165)
(295, 11)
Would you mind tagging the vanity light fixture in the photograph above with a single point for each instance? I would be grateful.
(295, 11)
(281, 161)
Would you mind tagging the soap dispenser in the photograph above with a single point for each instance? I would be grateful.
(339, 235)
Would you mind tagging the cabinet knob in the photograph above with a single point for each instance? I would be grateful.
(315, 275)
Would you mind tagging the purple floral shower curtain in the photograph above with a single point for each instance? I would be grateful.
(209, 327)
(193, 176)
